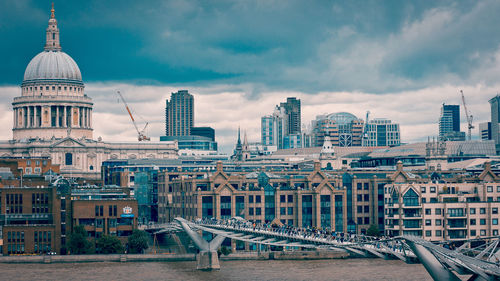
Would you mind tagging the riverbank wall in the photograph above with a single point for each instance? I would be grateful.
(287, 255)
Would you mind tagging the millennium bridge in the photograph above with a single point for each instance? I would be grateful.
(475, 259)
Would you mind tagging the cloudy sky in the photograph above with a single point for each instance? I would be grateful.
(399, 59)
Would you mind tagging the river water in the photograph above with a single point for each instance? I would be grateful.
(337, 269)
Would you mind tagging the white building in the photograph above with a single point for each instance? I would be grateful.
(381, 132)
(53, 117)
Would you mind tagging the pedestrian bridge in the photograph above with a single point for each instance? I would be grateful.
(476, 259)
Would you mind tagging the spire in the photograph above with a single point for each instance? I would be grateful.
(52, 33)
(245, 142)
(52, 15)
(239, 139)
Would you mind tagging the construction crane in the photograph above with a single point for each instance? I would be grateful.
(141, 134)
(468, 116)
(365, 130)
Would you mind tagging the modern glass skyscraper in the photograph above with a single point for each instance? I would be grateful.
(179, 114)
(284, 122)
(382, 132)
(449, 123)
(292, 109)
(495, 109)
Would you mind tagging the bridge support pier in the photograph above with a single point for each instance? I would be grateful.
(207, 258)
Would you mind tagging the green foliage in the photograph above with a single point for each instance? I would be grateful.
(78, 242)
(109, 245)
(373, 230)
(225, 250)
(138, 241)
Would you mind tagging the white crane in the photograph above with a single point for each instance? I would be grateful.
(365, 130)
(468, 116)
(141, 134)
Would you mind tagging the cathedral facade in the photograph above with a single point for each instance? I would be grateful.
(53, 117)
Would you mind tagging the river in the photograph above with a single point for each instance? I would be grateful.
(336, 269)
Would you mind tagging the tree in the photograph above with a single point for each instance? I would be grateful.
(373, 230)
(78, 242)
(138, 241)
(108, 244)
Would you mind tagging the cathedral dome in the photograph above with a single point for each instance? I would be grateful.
(52, 65)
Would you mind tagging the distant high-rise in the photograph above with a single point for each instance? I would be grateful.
(495, 109)
(179, 114)
(285, 122)
(292, 109)
(382, 132)
(449, 123)
(485, 131)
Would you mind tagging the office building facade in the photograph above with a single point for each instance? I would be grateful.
(381, 132)
(449, 123)
(344, 129)
(485, 131)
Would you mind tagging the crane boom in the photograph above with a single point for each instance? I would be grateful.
(468, 117)
(141, 135)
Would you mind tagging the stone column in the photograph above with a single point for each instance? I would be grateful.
(30, 121)
(15, 118)
(64, 117)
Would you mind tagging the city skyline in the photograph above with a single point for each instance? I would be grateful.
(225, 69)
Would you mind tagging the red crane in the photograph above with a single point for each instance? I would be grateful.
(141, 134)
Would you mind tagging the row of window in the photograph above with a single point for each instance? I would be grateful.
(473, 233)
(47, 88)
(112, 210)
(454, 212)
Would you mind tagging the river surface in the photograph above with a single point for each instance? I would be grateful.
(337, 269)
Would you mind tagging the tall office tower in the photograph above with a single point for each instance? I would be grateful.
(292, 109)
(381, 132)
(449, 123)
(274, 127)
(495, 109)
(179, 114)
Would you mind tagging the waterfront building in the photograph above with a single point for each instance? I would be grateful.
(39, 219)
(439, 210)
(485, 131)
(381, 132)
(449, 123)
(53, 117)
(344, 129)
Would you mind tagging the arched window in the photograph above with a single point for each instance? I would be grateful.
(91, 168)
(68, 159)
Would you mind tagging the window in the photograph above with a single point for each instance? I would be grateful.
(438, 222)
(472, 211)
(495, 232)
(282, 198)
(360, 221)
(290, 198)
(498, 188)
(494, 211)
(428, 211)
(250, 211)
(360, 209)
(68, 159)
(472, 222)
(473, 232)
(483, 232)
(428, 233)
(367, 220)
(433, 189)
(290, 211)
(367, 197)
(489, 188)
(428, 222)
(283, 211)
(494, 221)
(258, 211)
(482, 211)
(367, 209)
(438, 233)
(360, 198)
(422, 189)
(482, 221)
(257, 199)
(438, 211)
(359, 186)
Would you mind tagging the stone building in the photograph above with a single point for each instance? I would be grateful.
(53, 117)
(437, 210)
